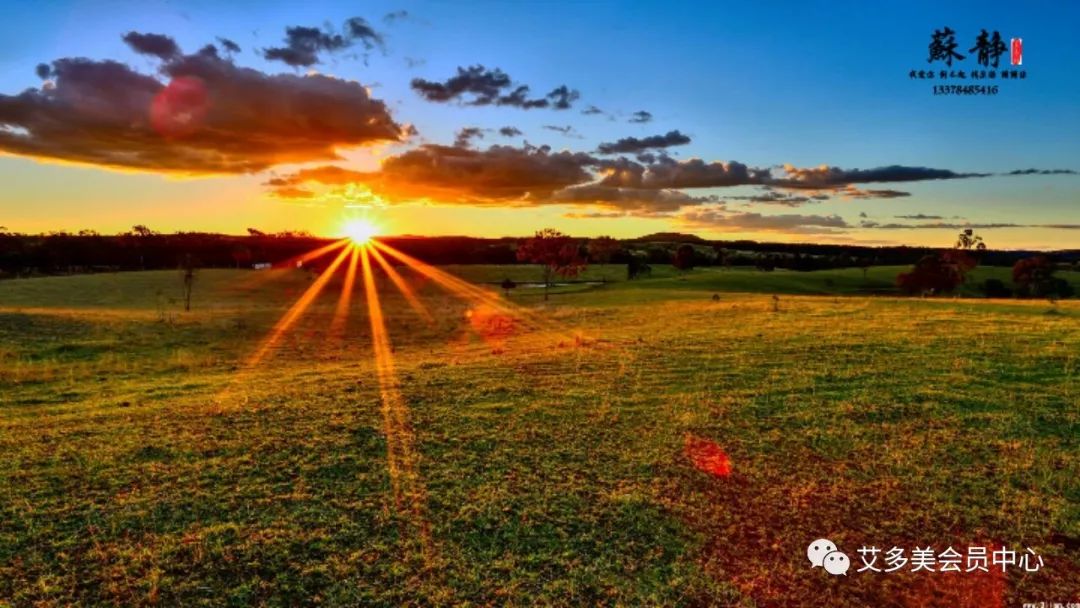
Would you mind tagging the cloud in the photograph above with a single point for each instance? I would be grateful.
(479, 86)
(476, 80)
(631, 145)
(826, 177)
(592, 111)
(566, 130)
(667, 173)
(394, 16)
(962, 226)
(562, 98)
(510, 132)
(303, 45)
(631, 200)
(464, 136)
(917, 216)
(773, 197)
(723, 220)
(229, 45)
(500, 175)
(640, 117)
(291, 193)
(1042, 172)
(585, 215)
(208, 116)
(850, 191)
(157, 45)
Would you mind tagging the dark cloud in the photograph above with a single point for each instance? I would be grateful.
(723, 220)
(413, 62)
(565, 130)
(510, 132)
(773, 197)
(635, 201)
(962, 226)
(43, 71)
(519, 98)
(479, 86)
(918, 216)
(481, 83)
(464, 136)
(562, 98)
(671, 174)
(850, 191)
(356, 28)
(208, 116)
(592, 110)
(631, 145)
(394, 16)
(641, 117)
(1042, 172)
(303, 45)
(158, 45)
(229, 45)
(826, 177)
(500, 175)
(209, 50)
(575, 215)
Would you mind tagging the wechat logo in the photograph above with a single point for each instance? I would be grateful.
(824, 553)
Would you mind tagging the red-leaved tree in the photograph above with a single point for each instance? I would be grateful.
(555, 252)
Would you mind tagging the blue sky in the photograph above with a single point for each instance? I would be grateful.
(808, 84)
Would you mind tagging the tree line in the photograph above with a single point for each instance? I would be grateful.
(141, 248)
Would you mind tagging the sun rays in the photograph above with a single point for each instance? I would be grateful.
(357, 258)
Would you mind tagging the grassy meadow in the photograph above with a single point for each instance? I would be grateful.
(534, 458)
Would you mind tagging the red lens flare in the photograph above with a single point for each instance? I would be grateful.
(707, 456)
(179, 109)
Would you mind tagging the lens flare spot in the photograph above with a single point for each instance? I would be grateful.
(706, 456)
(179, 109)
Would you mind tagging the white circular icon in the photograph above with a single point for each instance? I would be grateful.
(836, 562)
(818, 549)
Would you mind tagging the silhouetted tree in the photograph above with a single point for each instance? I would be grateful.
(601, 250)
(636, 267)
(684, 258)
(723, 258)
(967, 240)
(765, 263)
(507, 285)
(1035, 278)
(995, 288)
(188, 268)
(864, 264)
(241, 255)
(555, 252)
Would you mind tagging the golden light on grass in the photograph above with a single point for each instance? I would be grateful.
(362, 256)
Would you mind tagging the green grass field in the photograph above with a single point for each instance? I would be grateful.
(537, 459)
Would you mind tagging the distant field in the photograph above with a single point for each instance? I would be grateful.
(533, 460)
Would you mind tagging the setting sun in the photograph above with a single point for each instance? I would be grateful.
(360, 231)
